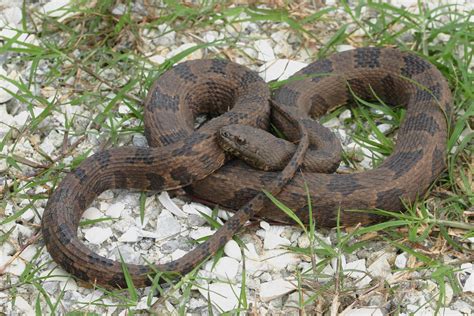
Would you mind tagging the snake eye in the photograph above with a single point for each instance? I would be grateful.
(240, 140)
(225, 134)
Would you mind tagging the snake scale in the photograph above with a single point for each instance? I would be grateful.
(183, 157)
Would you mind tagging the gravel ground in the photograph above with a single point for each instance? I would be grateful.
(376, 279)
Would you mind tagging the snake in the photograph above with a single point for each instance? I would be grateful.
(181, 156)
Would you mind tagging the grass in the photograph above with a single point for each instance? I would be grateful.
(92, 70)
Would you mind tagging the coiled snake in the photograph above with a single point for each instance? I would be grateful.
(181, 156)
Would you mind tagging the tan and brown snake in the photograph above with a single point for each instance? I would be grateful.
(181, 156)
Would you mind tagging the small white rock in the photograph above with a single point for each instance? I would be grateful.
(12, 16)
(131, 235)
(16, 267)
(6, 85)
(232, 250)
(380, 268)
(367, 311)
(97, 235)
(210, 36)
(167, 225)
(115, 210)
(384, 128)
(225, 269)
(29, 252)
(448, 312)
(401, 261)
(47, 146)
(469, 285)
(197, 209)
(24, 306)
(171, 206)
(166, 38)
(280, 69)
(332, 123)
(119, 9)
(273, 241)
(343, 48)
(345, 115)
(157, 59)
(265, 225)
(92, 213)
(201, 232)
(448, 296)
(280, 259)
(265, 50)
(123, 109)
(355, 269)
(28, 215)
(274, 289)
(197, 54)
(223, 296)
(56, 8)
(250, 251)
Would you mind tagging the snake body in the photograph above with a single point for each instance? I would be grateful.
(182, 156)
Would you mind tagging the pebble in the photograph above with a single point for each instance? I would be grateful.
(345, 115)
(28, 215)
(29, 253)
(448, 295)
(97, 235)
(197, 209)
(131, 235)
(332, 123)
(279, 259)
(401, 261)
(372, 311)
(469, 285)
(275, 288)
(355, 269)
(24, 306)
(384, 128)
(115, 210)
(225, 269)
(12, 16)
(265, 50)
(303, 241)
(6, 87)
(343, 48)
(157, 59)
(380, 269)
(139, 140)
(232, 250)
(171, 206)
(273, 240)
(56, 8)
(197, 54)
(211, 36)
(167, 225)
(201, 232)
(166, 38)
(16, 267)
(119, 9)
(92, 213)
(279, 69)
(223, 296)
